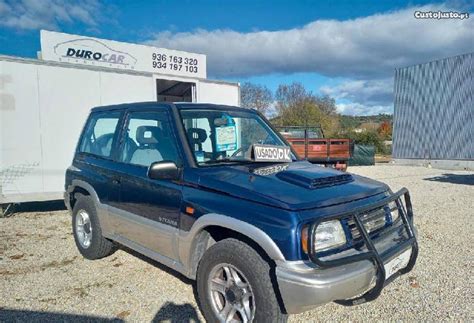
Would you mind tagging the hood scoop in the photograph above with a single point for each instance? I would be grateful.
(315, 182)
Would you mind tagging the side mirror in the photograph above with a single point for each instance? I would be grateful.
(163, 170)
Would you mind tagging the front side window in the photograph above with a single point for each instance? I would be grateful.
(215, 136)
(148, 138)
(99, 134)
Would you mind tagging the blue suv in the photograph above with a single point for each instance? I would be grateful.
(217, 194)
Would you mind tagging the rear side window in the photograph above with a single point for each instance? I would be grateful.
(99, 134)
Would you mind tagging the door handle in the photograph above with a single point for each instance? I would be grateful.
(115, 181)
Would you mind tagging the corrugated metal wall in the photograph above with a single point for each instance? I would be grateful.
(434, 110)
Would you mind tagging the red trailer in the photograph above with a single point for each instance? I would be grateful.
(309, 143)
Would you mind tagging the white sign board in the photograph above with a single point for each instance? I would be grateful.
(60, 47)
(270, 153)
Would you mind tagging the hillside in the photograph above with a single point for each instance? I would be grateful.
(351, 122)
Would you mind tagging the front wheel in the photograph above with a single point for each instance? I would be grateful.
(234, 285)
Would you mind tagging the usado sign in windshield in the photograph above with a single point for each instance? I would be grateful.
(269, 153)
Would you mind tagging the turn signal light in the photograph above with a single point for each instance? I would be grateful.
(304, 239)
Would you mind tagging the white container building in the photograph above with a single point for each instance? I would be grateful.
(44, 102)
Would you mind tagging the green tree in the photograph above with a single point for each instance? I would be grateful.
(297, 106)
(370, 137)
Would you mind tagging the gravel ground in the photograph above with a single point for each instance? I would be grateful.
(43, 277)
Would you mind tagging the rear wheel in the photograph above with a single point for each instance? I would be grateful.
(234, 285)
(87, 230)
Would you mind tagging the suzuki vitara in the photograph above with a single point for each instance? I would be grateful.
(217, 194)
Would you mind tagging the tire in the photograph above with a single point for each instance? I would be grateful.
(97, 246)
(242, 259)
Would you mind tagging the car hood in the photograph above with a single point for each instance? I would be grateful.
(293, 186)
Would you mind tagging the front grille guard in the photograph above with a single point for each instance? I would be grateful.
(372, 254)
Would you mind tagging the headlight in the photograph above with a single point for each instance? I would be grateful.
(394, 212)
(329, 235)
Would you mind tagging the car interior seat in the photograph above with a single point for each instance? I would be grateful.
(147, 151)
(129, 148)
(196, 137)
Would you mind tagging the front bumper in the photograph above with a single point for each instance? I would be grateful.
(303, 287)
(354, 277)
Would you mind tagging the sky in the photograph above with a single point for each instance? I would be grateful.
(348, 50)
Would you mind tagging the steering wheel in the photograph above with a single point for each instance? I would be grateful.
(268, 140)
(240, 150)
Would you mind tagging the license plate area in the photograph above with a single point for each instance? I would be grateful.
(397, 263)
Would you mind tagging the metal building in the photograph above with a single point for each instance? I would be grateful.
(434, 113)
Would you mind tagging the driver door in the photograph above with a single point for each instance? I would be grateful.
(148, 209)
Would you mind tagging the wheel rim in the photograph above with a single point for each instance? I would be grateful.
(231, 295)
(83, 229)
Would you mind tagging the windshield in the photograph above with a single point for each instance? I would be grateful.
(225, 136)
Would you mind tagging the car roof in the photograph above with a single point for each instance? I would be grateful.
(125, 106)
(167, 105)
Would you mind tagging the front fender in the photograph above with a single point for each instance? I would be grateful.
(189, 240)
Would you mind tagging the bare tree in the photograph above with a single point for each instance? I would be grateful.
(256, 96)
(290, 95)
(327, 104)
